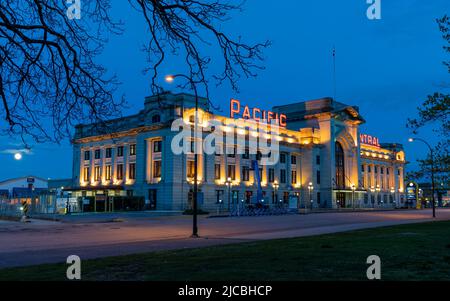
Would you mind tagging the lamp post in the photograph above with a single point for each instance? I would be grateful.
(378, 192)
(353, 195)
(372, 190)
(310, 189)
(432, 170)
(170, 79)
(229, 184)
(275, 187)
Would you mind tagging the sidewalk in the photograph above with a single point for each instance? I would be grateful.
(106, 217)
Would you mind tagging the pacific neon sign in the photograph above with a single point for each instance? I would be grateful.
(256, 114)
(369, 140)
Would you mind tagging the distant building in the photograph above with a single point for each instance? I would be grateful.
(23, 187)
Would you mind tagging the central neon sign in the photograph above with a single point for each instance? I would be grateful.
(256, 114)
(369, 140)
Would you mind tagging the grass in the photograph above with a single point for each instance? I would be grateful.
(408, 252)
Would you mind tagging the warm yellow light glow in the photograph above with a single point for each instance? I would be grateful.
(169, 79)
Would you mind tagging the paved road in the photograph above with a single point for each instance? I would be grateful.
(46, 242)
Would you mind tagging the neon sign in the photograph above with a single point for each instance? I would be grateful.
(369, 140)
(256, 114)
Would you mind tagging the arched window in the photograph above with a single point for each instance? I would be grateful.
(156, 118)
(340, 166)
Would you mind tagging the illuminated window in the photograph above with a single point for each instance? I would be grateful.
(132, 149)
(108, 172)
(245, 173)
(190, 169)
(232, 172)
(132, 172)
(217, 172)
(119, 172)
(293, 177)
(86, 174)
(157, 169)
(97, 173)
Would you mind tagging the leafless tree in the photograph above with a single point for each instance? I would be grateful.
(49, 78)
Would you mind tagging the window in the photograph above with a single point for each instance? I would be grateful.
(132, 149)
(120, 151)
(339, 164)
(119, 172)
(282, 158)
(108, 173)
(271, 175)
(217, 171)
(86, 174)
(98, 154)
(369, 168)
(132, 174)
(232, 172)
(97, 173)
(87, 155)
(387, 171)
(318, 159)
(293, 177)
(283, 176)
(108, 152)
(157, 145)
(245, 173)
(157, 169)
(318, 198)
(293, 159)
(375, 169)
(156, 118)
(318, 177)
(285, 197)
(248, 196)
(382, 170)
(190, 169)
(362, 168)
(398, 171)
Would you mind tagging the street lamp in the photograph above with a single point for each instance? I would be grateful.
(432, 170)
(353, 195)
(229, 185)
(171, 79)
(378, 189)
(310, 189)
(275, 187)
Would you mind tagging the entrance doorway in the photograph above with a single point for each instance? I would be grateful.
(340, 199)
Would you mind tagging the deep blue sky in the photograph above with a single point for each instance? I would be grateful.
(386, 67)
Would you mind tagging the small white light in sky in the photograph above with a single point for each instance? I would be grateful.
(18, 156)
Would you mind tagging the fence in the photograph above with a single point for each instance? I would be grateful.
(38, 204)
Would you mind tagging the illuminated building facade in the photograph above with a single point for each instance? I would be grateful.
(323, 159)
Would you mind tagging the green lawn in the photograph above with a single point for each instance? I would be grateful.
(408, 252)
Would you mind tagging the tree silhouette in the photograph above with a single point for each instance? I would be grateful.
(49, 80)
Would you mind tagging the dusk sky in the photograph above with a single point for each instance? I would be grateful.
(386, 67)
